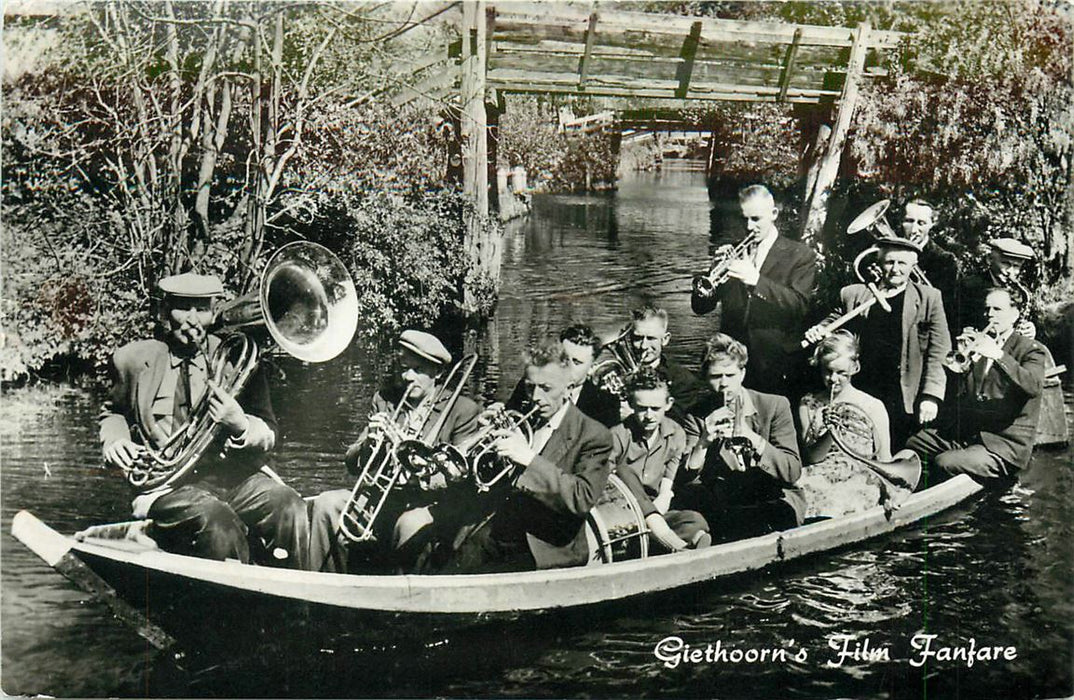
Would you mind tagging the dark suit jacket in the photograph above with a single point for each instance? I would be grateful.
(942, 270)
(770, 317)
(925, 340)
(1000, 408)
(553, 495)
(600, 405)
(773, 477)
(137, 370)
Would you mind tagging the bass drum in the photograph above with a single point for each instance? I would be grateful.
(615, 527)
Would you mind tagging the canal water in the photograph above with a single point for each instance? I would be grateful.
(995, 572)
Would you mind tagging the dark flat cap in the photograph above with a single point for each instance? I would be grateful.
(425, 345)
(893, 243)
(189, 284)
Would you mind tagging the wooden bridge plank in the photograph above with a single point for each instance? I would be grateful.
(788, 68)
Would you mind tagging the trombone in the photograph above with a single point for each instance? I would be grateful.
(394, 451)
(307, 304)
(612, 374)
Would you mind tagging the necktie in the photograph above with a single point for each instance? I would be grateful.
(182, 406)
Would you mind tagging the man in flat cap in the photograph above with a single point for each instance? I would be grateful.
(230, 500)
(902, 349)
(1006, 261)
(412, 404)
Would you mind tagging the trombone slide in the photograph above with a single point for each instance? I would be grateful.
(878, 298)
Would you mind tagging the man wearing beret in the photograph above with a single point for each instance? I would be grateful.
(230, 500)
(422, 363)
(902, 350)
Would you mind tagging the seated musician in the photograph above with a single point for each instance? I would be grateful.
(1006, 262)
(231, 500)
(648, 337)
(991, 430)
(833, 482)
(647, 449)
(766, 296)
(743, 452)
(902, 350)
(536, 522)
(582, 346)
(422, 363)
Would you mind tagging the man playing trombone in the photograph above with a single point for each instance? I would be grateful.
(553, 480)
(904, 339)
(764, 289)
(413, 403)
(991, 430)
(157, 387)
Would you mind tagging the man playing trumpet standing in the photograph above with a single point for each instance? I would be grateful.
(157, 384)
(408, 404)
(990, 432)
(904, 345)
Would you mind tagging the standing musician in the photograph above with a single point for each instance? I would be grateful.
(421, 362)
(940, 266)
(902, 350)
(156, 385)
(1006, 260)
(766, 296)
(648, 337)
(647, 449)
(581, 346)
(992, 429)
(559, 478)
(743, 453)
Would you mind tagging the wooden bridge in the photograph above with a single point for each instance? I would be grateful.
(648, 66)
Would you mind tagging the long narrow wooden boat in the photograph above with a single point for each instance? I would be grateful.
(174, 589)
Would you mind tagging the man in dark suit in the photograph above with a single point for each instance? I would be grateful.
(939, 265)
(539, 522)
(648, 337)
(422, 364)
(991, 431)
(157, 384)
(902, 350)
(581, 346)
(766, 297)
(742, 458)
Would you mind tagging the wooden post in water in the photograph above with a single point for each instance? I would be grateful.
(828, 161)
(482, 247)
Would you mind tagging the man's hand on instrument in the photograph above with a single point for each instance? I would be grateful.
(225, 410)
(491, 411)
(513, 445)
(744, 271)
(122, 453)
(1025, 329)
(927, 410)
(817, 333)
(718, 425)
(986, 346)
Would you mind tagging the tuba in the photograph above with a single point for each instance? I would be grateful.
(307, 305)
(719, 269)
(398, 453)
(612, 374)
(865, 265)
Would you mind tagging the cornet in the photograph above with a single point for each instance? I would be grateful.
(720, 268)
(734, 440)
(961, 360)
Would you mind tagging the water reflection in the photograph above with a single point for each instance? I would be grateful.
(998, 570)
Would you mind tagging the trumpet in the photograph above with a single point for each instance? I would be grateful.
(961, 360)
(719, 269)
(734, 440)
(398, 452)
(612, 374)
(488, 467)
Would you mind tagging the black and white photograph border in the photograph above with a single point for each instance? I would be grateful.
(355, 229)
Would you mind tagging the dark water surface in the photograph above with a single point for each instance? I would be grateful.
(998, 570)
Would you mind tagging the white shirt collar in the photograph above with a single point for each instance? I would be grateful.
(763, 247)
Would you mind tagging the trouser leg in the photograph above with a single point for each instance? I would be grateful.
(687, 524)
(928, 443)
(974, 460)
(328, 550)
(276, 514)
(193, 520)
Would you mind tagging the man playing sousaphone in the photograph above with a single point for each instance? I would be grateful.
(904, 338)
(991, 430)
(742, 460)
(157, 384)
(413, 403)
(557, 476)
